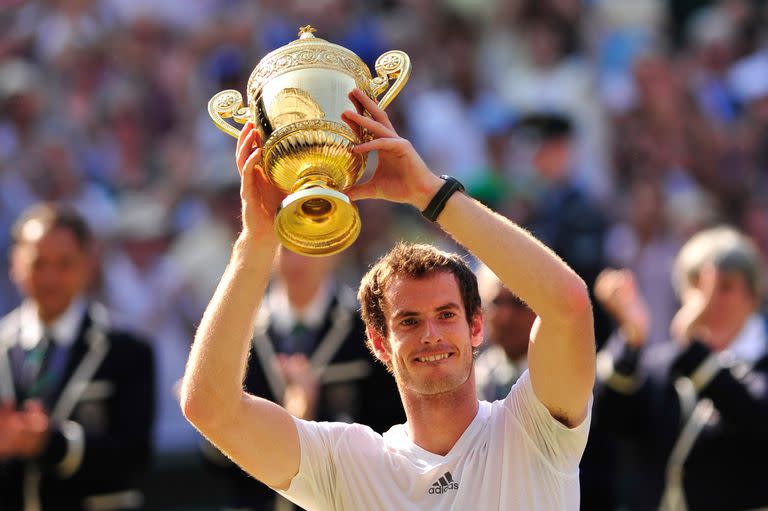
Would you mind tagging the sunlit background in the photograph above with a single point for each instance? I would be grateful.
(103, 105)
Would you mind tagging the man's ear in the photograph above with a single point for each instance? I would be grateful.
(379, 344)
(16, 264)
(476, 329)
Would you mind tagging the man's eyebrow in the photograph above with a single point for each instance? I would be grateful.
(407, 314)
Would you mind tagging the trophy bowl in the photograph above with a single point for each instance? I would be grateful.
(296, 95)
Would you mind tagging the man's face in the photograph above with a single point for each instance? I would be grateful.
(552, 159)
(732, 303)
(429, 343)
(509, 322)
(300, 270)
(51, 269)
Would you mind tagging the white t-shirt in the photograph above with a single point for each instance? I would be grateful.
(514, 455)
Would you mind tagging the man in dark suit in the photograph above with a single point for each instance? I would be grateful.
(309, 355)
(77, 396)
(692, 413)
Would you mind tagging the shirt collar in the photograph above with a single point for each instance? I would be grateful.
(751, 342)
(284, 316)
(63, 329)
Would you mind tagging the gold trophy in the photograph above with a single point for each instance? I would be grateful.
(296, 95)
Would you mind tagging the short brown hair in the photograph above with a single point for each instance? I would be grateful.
(53, 216)
(414, 261)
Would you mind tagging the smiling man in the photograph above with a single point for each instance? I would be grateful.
(423, 320)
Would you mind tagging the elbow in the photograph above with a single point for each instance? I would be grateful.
(576, 302)
(190, 406)
(205, 408)
(569, 306)
(195, 407)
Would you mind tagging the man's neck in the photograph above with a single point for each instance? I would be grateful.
(300, 296)
(435, 423)
(722, 337)
(47, 318)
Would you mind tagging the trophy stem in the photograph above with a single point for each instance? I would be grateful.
(317, 179)
(317, 221)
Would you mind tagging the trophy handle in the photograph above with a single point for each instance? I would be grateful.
(395, 65)
(226, 104)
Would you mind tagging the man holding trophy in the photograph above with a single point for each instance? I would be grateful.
(423, 320)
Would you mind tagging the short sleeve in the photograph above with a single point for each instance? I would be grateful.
(313, 487)
(561, 446)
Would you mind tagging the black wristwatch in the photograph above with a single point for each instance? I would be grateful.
(436, 205)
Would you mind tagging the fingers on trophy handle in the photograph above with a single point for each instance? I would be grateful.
(228, 104)
(392, 65)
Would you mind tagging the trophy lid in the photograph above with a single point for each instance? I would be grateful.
(308, 51)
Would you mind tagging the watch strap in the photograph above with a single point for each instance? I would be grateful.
(436, 205)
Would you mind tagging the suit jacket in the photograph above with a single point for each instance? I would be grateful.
(353, 388)
(686, 415)
(101, 421)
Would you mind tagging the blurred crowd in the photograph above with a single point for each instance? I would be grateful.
(664, 105)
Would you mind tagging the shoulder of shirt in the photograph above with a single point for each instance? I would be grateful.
(9, 323)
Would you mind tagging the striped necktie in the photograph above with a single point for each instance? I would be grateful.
(34, 378)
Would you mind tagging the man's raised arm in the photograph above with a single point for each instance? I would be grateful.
(257, 434)
(562, 348)
(561, 353)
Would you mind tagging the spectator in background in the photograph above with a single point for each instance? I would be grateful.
(200, 253)
(143, 287)
(749, 149)
(77, 395)
(694, 411)
(665, 135)
(309, 355)
(508, 322)
(644, 243)
(455, 98)
(556, 77)
(711, 36)
(755, 222)
(21, 103)
(563, 215)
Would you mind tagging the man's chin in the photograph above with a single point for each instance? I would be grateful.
(49, 311)
(438, 386)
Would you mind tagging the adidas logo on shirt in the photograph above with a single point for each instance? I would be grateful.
(443, 484)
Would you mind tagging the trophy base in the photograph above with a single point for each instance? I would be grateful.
(317, 221)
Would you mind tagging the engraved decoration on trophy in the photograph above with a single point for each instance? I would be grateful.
(296, 95)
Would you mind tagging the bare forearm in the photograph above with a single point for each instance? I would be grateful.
(217, 362)
(525, 265)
